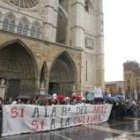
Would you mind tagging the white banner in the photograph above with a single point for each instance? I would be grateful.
(31, 118)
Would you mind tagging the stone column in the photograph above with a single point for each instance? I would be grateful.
(77, 37)
(100, 45)
(37, 83)
(47, 85)
(50, 20)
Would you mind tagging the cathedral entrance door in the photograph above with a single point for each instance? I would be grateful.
(13, 88)
(17, 64)
(63, 75)
(53, 87)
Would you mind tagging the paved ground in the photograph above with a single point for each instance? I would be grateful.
(126, 129)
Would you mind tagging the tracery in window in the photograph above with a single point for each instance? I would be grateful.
(62, 26)
(32, 31)
(5, 24)
(19, 28)
(38, 31)
(25, 29)
(35, 30)
(9, 23)
(24, 3)
(12, 26)
(23, 26)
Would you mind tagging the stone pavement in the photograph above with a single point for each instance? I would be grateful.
(126, 129)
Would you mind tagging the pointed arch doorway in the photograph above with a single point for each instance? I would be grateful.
(19, 68)
(62, 75)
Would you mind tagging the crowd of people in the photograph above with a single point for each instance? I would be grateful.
(121, 107)
(126, 108)
(45, 100)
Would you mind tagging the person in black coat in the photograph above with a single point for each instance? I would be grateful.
(1, 102)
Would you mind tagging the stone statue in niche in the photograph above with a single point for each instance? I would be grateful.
(2, 88)
(42, 88)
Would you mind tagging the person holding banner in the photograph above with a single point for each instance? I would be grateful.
(1, 102)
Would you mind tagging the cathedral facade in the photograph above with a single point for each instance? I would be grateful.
(51, 46)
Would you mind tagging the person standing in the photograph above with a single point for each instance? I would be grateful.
(1, 102)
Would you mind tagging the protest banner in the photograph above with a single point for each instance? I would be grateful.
(23, 118)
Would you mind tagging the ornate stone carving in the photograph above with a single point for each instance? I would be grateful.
(24, 3)
(89, 43)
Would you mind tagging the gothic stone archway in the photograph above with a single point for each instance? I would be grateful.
(62, 75)
(17, 65)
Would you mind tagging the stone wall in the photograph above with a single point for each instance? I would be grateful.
(41, 52)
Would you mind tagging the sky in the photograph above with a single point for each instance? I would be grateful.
(121, 36)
